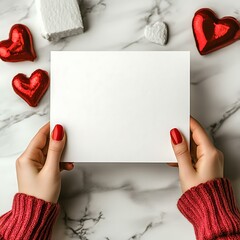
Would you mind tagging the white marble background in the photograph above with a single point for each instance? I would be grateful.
(123, 201)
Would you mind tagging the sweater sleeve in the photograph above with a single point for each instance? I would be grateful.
(30, 218)
(212, 210)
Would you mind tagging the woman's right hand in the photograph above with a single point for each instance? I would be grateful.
(205, 161)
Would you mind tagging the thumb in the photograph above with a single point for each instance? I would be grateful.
(56, 146)
(182, 153)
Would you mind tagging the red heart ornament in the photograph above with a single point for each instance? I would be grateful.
(19, 46)
(31, 89)
(211, 33)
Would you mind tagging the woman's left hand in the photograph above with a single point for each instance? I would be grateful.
(38, 168)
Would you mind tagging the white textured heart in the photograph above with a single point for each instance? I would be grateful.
(157, 32)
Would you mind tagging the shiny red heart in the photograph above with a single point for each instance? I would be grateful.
(31, 89)
(19, 46)
(212, 33)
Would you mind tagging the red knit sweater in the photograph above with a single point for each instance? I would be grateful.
(29, 219)
(210, 207)
(212, 210)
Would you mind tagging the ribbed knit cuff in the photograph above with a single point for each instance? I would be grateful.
(30, 218)
(212, 209)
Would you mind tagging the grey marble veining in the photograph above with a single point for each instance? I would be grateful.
(123, 201)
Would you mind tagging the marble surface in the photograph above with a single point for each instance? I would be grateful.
(123, 201)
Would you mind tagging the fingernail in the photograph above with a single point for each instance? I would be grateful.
(58, 132)
(176, 136)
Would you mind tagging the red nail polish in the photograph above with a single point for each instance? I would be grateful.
(58, 132)
(175, 136)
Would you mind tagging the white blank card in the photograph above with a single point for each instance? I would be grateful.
(120, 106)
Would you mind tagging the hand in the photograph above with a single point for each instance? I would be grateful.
(38, 168)
(206, 162)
